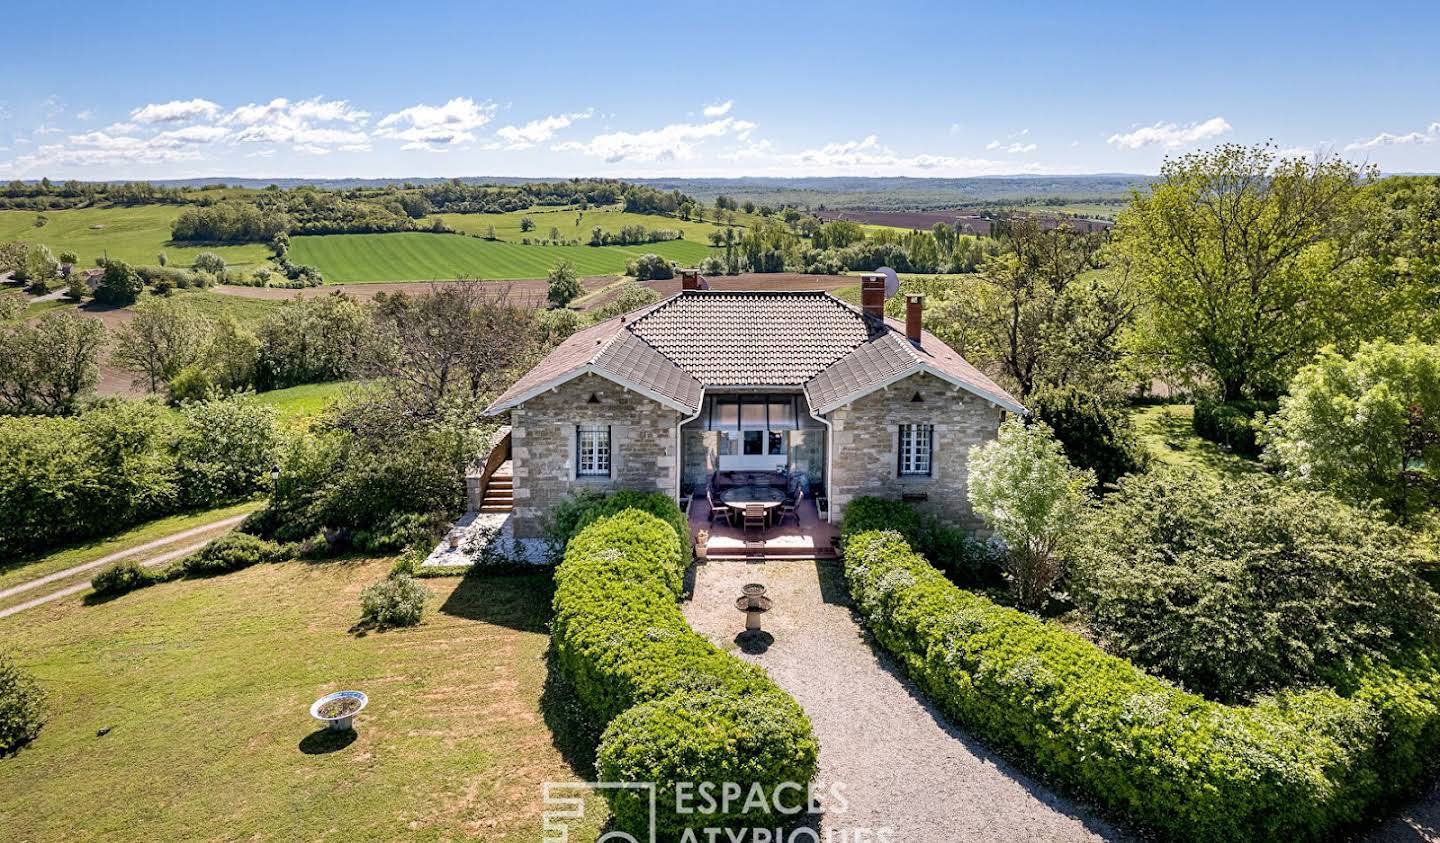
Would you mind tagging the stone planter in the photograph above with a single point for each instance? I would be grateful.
(455, 538)
(702, 542)
(349, 703)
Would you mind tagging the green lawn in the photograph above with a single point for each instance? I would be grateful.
(1167, 432)
(245, 311)
(507, 226)
(299, 404)
(205, 685)
(14, 572)
(134, 234)
(414, 256)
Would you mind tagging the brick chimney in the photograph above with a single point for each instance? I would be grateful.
(689, 279)
(872, 294)
(914, 312)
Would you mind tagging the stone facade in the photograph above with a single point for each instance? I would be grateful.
(865, 456)
(642, 442)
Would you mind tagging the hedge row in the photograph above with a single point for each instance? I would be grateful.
(957, 552)
(230, 552)
(1299, 765)
(678, 709)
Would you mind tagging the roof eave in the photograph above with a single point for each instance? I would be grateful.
(511, 403)
(1002, 401)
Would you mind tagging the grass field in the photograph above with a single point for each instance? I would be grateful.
(134, 235)
(204, 687)
(413, 256)
(300, 404)
(1168, 434)
(507, 226)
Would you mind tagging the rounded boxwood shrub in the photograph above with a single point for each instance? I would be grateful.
(957, 552)
(230, 552)
(675, 707)
(1094, 434)
(1248, 587)
(22, 707)
(393, 601)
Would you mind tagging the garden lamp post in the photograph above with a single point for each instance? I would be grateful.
(275, 473)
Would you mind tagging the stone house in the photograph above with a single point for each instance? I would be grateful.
(709, 382)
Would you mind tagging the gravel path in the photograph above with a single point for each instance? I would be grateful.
(901, 765)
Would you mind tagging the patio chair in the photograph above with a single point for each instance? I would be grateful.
(718, 510)
(754, 517)
(790, 507)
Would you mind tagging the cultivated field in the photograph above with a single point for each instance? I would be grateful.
(414, 256)
(971, 223)
(507, 226)
(134, 235)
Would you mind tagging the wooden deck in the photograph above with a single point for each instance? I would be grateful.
(813, 539)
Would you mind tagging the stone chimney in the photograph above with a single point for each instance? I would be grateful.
(689, 279)
(872, 294)
(914, 313)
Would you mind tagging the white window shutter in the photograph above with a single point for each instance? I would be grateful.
(571, 443)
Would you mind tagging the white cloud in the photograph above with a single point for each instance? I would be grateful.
(1430, 135)
(1170, 135)
(176, 111)
(84, 115)
(282, 121)
(870, 157)
(719, 109)
(1012, 147)
(955, 128)
(675, 142)
(429, 126)
(539, 131)
(5, 112)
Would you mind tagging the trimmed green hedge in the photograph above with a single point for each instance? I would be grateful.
(1299, 765)
(678, 709)
(957, 552)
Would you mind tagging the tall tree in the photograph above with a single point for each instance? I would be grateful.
(164, 337)
(49, 366)
(564, 284)
(1240, 253)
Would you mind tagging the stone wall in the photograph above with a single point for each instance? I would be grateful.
(642, 442)
(867, 440)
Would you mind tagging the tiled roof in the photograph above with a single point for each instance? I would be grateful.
(752, 338)
(891, 356)
(676, 348)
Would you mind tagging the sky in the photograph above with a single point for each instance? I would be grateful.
(621, 89)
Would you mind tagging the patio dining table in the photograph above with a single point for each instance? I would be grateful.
(740, 497)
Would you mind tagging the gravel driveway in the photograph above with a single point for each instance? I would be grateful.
(901, 765)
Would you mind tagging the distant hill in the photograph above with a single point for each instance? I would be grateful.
(1088, 193)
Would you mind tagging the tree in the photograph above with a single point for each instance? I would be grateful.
(1241, 254)
(231, 359)
(310, 340)
(12, 259)
(49, 366)
(649, 267)
(22, 707)
(164, 337)
(161, 258)
(527, 224)
(1364, 428)
(564, 284)
(120, 285)
(1033, 498)
(41, 267)
(1095, 435)
(211, 263)
(554, 234)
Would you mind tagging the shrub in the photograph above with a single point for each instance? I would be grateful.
(1231, 424)
(1094, 434)
(965, 559)
(582, 509)
(123, 578)
(1247, 587)
(677, 708)
(230, 552)
(1033, 498)
(1365, 428)
(1297, 766)
(650, 267)
(22, 707)
(394, 601)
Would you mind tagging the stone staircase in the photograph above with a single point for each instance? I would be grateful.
(500, 490)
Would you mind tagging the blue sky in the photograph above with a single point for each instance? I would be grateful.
(258, 89)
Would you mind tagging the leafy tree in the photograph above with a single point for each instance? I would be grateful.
(1246, 587)
(1241, 255)
(554, 234)
(650, 267)
(632, 296)
(161, 258)
(70, 258)
(232, 357)
(310, 340)
(12, 305)
(49, 366)
(164, 337)
(120, 285)
(564, 284)
(12, 259)
(211, 263)
(225, 448)
(1095, 434)
(1025, 489)
(22, 707)
(1365, 427)
(527, 224)
(41, 267)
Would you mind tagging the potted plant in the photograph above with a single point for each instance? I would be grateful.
(337, 711)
